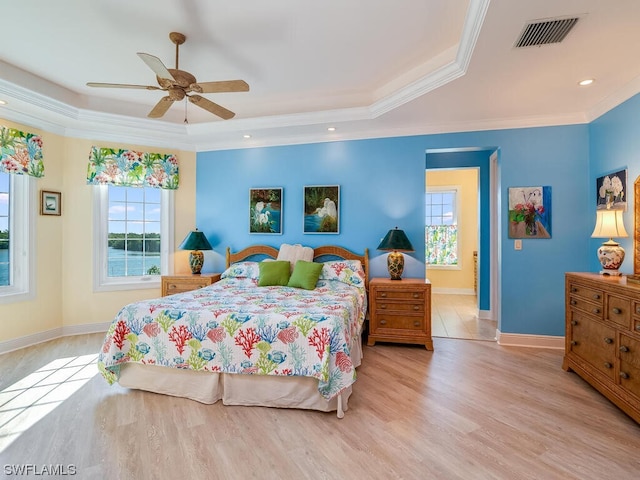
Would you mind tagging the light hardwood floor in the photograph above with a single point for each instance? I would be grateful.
(468, 410)
(456, 316)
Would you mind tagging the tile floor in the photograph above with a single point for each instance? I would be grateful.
(456, 316)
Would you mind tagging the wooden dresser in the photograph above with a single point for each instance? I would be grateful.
(400, 311)
(602, 338)
(172, 284)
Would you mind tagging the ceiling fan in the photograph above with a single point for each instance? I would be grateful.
(180, 84)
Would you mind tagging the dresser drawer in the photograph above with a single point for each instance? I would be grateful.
(619, 310)
(382, 295)
(630, 377)
(586, 293)
(398, 322)
(581, 304)
(594, 342)
(181, 287)
(629, 350)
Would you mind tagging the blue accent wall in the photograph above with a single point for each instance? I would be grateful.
(614, 143)
(382, 186)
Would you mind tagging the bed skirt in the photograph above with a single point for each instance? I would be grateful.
(237, 389)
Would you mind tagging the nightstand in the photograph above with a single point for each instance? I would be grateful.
(172, 284)
(400, 311)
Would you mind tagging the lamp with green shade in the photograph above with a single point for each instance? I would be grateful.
(195, 241)
(395, 241)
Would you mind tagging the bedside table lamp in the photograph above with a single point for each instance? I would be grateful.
(195, 241)
(608, 225)
(395, 241)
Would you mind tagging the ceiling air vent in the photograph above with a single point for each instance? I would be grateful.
(543, 32)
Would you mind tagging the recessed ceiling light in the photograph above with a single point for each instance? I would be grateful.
(332, 129)
(585, 82)
(2, 102)
(246, 135)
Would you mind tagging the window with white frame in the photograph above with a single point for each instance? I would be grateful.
(441, 227)
(16, 237)
(133, 236)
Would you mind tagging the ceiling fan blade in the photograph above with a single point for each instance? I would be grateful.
(211, 107)
(220, 87)
(155, 64)
(161, 108)
(121, 85)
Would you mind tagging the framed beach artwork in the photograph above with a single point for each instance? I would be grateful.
(322, 209)
(530, 212)
(50, 203)
(611, 191)
(265, 210)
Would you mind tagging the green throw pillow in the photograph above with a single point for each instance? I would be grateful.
(274, 273)
(305, 275)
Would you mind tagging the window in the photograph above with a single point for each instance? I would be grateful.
(441, 227)
(133, 236)
(16, 237)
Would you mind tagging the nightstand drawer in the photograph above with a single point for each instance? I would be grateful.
(398, 322)
(173, 284)
(382, 295)
(180, 287)
(399, 307)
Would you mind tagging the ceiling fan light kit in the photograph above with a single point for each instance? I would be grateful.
(180, 84)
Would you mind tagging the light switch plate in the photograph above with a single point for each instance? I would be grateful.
(517, 244)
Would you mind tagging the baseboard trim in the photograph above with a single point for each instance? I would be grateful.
(485, 315)
(532, 341)
(453, 291)
(40, 337)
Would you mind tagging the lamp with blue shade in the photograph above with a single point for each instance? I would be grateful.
(195, 241)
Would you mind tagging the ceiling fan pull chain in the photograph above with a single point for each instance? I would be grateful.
(186, 122)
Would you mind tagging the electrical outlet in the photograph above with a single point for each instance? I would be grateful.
(517, 244)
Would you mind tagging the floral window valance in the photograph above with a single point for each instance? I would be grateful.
(20, 152)
(129, 168)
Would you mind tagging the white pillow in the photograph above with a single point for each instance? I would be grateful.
(293, 253)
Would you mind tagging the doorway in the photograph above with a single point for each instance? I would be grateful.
(464, 294)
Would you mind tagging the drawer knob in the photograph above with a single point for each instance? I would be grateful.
(608, 365)
(574, 290)
(573, 302)
(596, 310)
(596, 296)
(416, 308)
(638, 327)
(415, 295)
(574, 322)
(638, 310)
(624, 375)
(383, 322)
(617, 311)
(172, 286)
(608, 340)
(383, 294)
(573, 342)
(416, 324)
(383, 306)
(624, 348)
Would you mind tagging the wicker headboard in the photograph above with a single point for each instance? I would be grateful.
(330, 251)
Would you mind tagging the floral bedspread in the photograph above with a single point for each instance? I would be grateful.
(234, 326)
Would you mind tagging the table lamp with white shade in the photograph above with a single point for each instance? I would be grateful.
(609, 224)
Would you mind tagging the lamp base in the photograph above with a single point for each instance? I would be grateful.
(611, 256)
(196, 260)
(395, 265)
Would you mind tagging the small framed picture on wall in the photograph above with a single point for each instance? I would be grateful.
(611, 191)
(50, 203)
(321, 209)
(265, 210)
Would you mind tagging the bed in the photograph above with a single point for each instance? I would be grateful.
(245, 344)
